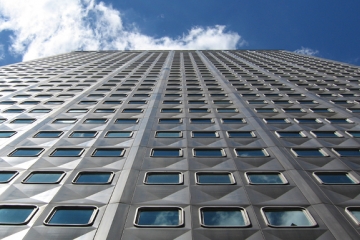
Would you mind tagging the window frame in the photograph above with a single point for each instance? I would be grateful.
(230, 174)
(320, 149)
(212, 121)
(243, 211)
(27, 220)
(79, 155)
(13, 133)
(222, 150)
(111, 177)
(348, 211)
(16, 149)
(24, 181)
(349, 175)
(54, 209)
(64, 119)
(317, 121)
(15, 173)
(339, 135)
(180, 174)
(301, 133)
(130, 135)
(252, 133)
(71, 134)
(242, 119)
(161, 119)
(180, 150)
(181, 216)
(217, 135)
(281, 176)
(123, 150)
(345, 149)
(180, 134)
(266, 154)
(286, 120)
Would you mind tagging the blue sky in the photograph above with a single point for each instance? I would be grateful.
(39, 28)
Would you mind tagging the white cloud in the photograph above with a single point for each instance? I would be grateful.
(307, 51)
(46, 27)
(2, 54)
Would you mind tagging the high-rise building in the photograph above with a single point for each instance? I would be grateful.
(180, 145)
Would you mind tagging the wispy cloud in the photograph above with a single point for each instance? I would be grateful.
(2, 52)
(307, 51)
(46, 27)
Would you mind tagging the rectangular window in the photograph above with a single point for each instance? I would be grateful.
(112, 102)
(168, 134)
(354, 134)
(265, 110)
(159, 217)
(226, 217)
(308, 120)
(171, 110)
(205, 134)
(227, 110)
(40, 110)
(78, 110)
(93, 178)
(54, 102)
(166, 152)
(347, 152)
(255, 152)
(7, 134)
(44, 177)
(222, 102)
(95, 121)
(65, 121)
(71, 216)
(293, 110)
(105, 110)
(287, 217)
(326, 134)
(119, 134)
(161, 178)
(108, 152)
(321, 110)
(233, 120)
(7, 176)
(48, 134)
(132, 110)
(199, 110)
(67, 152)
(290, 134)
(26, 152)
(16, 214)
(201, 120)
(335, 178)
(209, 152)
(12, 110)
(171, 102)
(170, 120)
(309, 152)
(339, 120)
(214, 178)
(354, 213)
(126, 121)
(276, 121)
(241, 134)
(23, 120)
(83, 134)
(266, 178)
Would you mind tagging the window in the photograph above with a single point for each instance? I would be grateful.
(257, 102)
(354, 213)
(108, 152)
(159, 217)
(137, 102)
(7, 176)
(354, 110)
(287, 217)
(16, 214)
(168, 134)
(227, 110)
(119, 134)
(255, 152)
(290, 134)
(172, 95)
(276, 120)
(339, 120)
(44, 177)
(309, 152)
(54, 102)
(78, 110)
(222, 102)
(8, 102)
(30, 103)
(308, 120)
(355, 134)
(197, 102)
(201, 120)
(241, 134)
(266, 110)
(170, 120)
(67, 152)
(199, 110)
(347, 152)
(127, 121)
(209, 152)
(40, 110)
(71, 216)
(118, 95)
(293, 110)
(307, 102)
(83, 134)
(112, 102)
(88, 102)
(205, 134)
(132, 110)
(104, 110)
(48, 134)
(95, 121)
(335, 178)
(26, 152)
(266, 178)
(233, 120)
(65, 121)
(321, 110)
(166, 152)
(326, 134)
(171, 102)
(141, 95)
(7, 134)
(223, 217)
(14, 110)
(171, 110)
(93, 178)
(163, 178)
(214, 178)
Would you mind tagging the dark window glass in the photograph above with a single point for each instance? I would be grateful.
(355, 134)
(73, 216)
(354, 213)
(79, 110)
(7, 176)
(87, 102)
(276, 120)
(168, 134)
(30, 103)
(171, 110)
(233, 120)
(251, 152)
(13, 215)
(95, 120)
(54, 102)
(170, 120)
(6, 134)
(44, 177)
(288, 217)
(83, 134)
(222, 102)
(118, 134)
(290, 134)
(26, 152)
(227, 110)
(204, 134)
(104, 110)
(7, 102)
(354, 110)
(132, 110)
(266, 178)
(48, 134)
(199, 110)
(141, 95)
(112, 102)
(335, 178)
(339, 120)
(163, 178)
(23, 120)
(208, 152)
(159, 216)
(309, 152)
(326, 134)
(40, 111)
(321, 110)
(257, 102)
(308, 120)
(118, 95)
(67, 152)
(166, 152)
(137, 102)
(223, 217)
(294, 110)
(201, 120)
(93, 178)
(241, 134)
(14, 110)
(265, 110)
(347, 152)
(214, 178)
(126, 121)
(108, 152)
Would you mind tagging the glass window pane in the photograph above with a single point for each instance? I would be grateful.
(132, 110)
(67, 152)
(108, 152)
(162, 178)
(309, 152)
(334, 178)
(347, 152)
(214, 178)
(171, 110)
(64, 121)
(199, 110)
(308, 120)
(93, 178)
(44, 177)
(265, 178)
(40, 111)
(103, 110)
(170, 217)
(168, 134)
(95, 120)
(14, 110)
(118, 134)
(16, 214)
(170, 120)
(223, 217)
(77, 110)
(290, 217)
(339, 120)
(326, 134)
(290, 134)
(240, 134)
(6, 134)
(276, 120)
(227, 110)
(26, 152)
(355, 134)
(48, 134)
(166, 152)
(208, 152)
(87, 134)
(234, 120)
(7, 176)
(265, 110)
(204, 134)
(71, 216)
(251, 152)
(126, 121)
(23, 120)
(355, 213)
